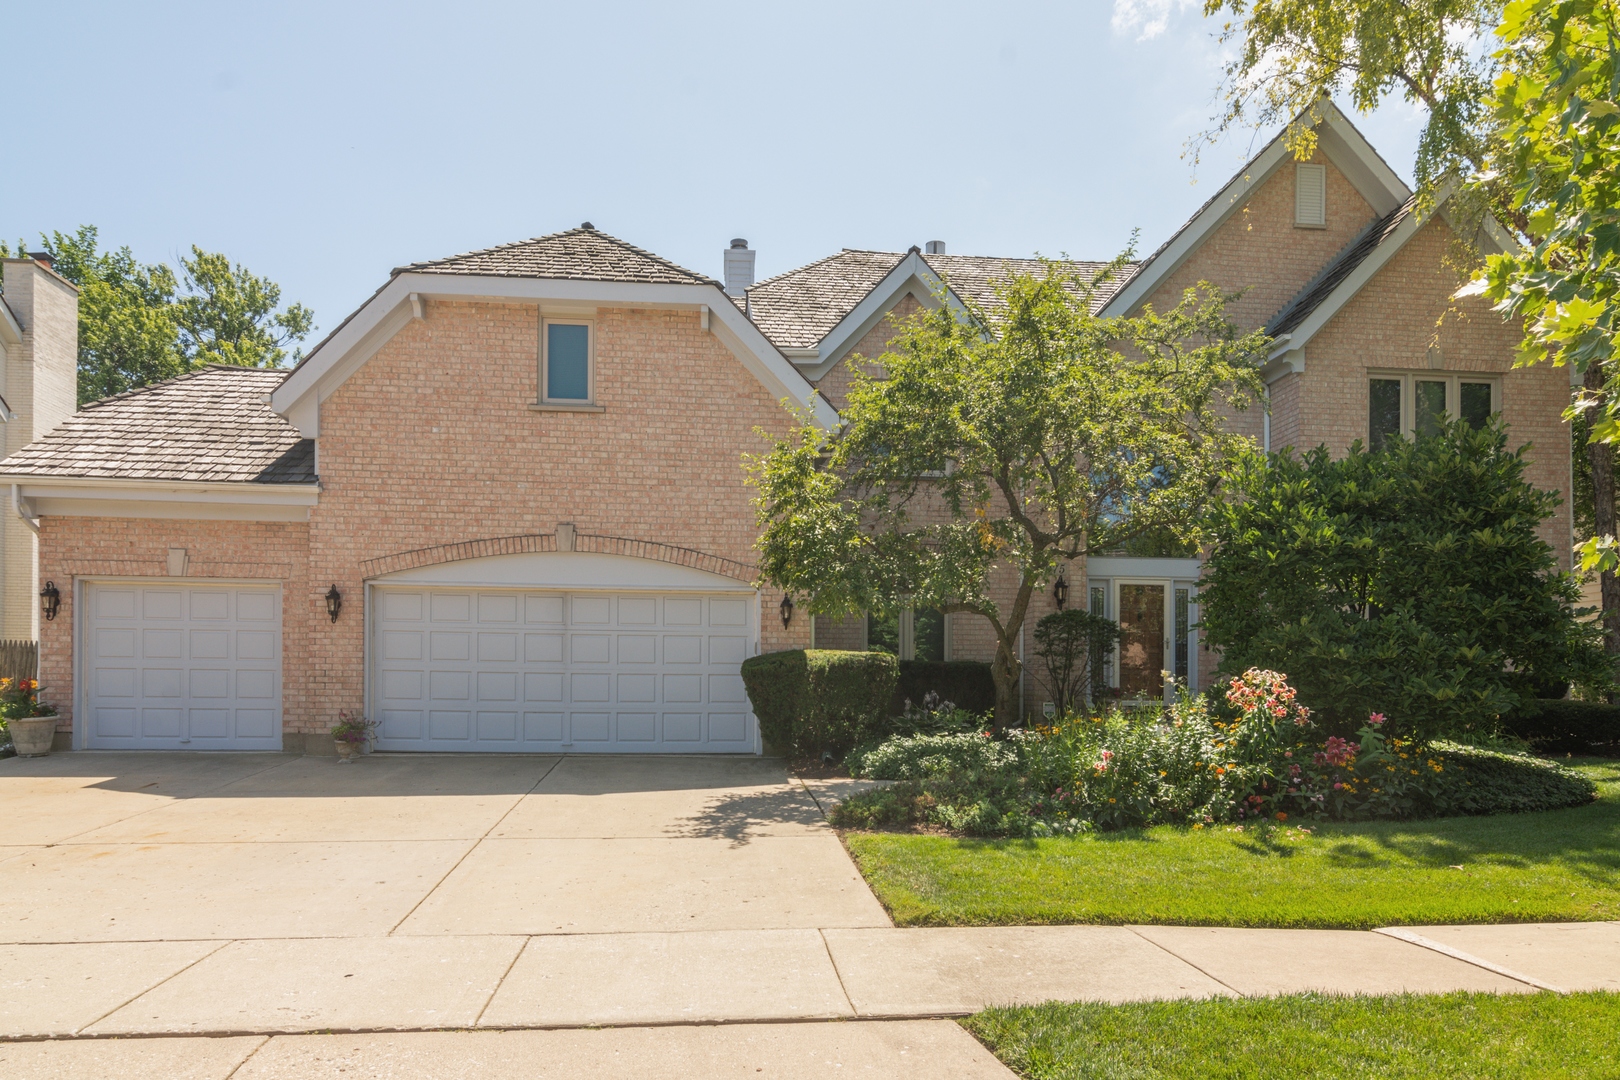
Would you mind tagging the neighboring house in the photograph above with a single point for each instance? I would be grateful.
(501, 506)
(39, 347)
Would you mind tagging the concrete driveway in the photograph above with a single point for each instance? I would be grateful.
(167, 847)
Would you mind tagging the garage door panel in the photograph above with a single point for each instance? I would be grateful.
(172, 667)
(576, 671)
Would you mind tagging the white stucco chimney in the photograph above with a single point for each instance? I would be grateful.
(739, 267)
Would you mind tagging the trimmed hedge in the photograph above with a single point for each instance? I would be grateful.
(1565, 726)
(966, 683)
(811, 700)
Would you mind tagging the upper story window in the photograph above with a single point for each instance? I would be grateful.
(567, 368)
(1415, 404)
(1310, 196)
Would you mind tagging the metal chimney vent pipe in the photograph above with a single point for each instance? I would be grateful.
(739, 261)
(934, 247)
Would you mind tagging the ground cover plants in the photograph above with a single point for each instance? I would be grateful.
(1257, 759)
(1309, 1035)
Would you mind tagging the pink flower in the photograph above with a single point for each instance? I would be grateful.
(1288, 753)
(1375, 719)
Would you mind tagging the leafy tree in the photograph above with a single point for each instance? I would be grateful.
(1559, 154)
(1071, 644)
(140, 324)
(997, 444)
(1292, 53)
(1409, 581)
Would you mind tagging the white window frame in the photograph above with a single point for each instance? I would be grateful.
(1453, 381)
(908, 634)
(545, 361)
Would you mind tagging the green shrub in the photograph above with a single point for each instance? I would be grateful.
(1071, 645)
(1478, 781)
(967, 684)
(913, 757)
(1565, 726)
(811, 700)
(1410, 581)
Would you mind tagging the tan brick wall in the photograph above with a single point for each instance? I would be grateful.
(874, 343)
(73, 548)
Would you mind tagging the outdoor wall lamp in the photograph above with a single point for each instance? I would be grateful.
(1060, 589)
(787, 610)
(50, 600)
(334, 601)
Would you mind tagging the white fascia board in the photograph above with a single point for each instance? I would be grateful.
(298, 397)
(1128, 566)
(1297, 338)
(224, 494)
(1351, 154)
(10, 328)
(912, 275)
(176, 509)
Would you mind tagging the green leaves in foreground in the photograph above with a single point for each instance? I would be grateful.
(1305, 1036)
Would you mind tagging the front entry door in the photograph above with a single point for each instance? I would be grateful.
(1141, 646)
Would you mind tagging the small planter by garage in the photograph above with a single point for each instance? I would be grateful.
(31, 735)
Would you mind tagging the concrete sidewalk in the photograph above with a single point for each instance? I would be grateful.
(440, 982)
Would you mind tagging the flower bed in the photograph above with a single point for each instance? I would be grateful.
(1266, 765)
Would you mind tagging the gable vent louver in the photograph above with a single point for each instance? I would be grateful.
(1310, 196)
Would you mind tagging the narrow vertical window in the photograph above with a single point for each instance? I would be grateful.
(883, 633)
(1183, 633)
(1429, 414)
(568, 362)
(928, 634)
(1100, 657)
(1475, 407)
(1383, 412)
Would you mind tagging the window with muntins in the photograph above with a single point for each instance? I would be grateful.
(1417, 404)
(565, 374)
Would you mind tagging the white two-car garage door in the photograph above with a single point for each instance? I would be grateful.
(575, 672)
(182, 667)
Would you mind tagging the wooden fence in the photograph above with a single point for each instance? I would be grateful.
(19, 659)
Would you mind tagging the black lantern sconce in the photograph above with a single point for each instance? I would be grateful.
(787, 610)
(1060, 589)
(334, 601)
(50, 600)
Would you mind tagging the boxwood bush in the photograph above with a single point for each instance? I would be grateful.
(1565, 726)
(967, 684)
(814, 700)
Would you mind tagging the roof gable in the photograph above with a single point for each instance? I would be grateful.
(582, 254)
(1337, 138)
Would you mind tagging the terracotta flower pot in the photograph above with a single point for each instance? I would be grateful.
(31, 736)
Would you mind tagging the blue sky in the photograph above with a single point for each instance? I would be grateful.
(322, 144)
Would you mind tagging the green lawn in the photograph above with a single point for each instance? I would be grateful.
(1303, 1036)
(1561, 865)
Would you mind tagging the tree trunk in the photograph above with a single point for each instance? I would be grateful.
(1601, 457)
(1006, 671)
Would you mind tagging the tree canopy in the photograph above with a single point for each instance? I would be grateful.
(140, 324)
(991, 444)
(1293, 52)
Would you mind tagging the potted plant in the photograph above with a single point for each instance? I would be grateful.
(31, 722)
(350, 735)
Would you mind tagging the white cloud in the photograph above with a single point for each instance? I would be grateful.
(1146, 18)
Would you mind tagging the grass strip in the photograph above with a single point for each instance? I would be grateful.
(1311, 1035)
(1556, 866)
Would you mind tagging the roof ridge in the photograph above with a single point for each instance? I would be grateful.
(579, 230)
(182, 377)
(817, 262)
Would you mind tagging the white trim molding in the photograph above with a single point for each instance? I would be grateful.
(911, 275)
(174, 500)
(298, 398)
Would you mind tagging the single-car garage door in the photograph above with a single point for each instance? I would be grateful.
(182, 667)
(577, 672)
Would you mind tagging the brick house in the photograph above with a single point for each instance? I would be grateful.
(501, 506)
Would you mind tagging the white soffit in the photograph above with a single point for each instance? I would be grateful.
(1344, 146)
(175, 501)
(567, 570)
(911, 275)
(381, 317)
(10, 328)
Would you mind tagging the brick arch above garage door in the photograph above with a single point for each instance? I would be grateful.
(530, 543)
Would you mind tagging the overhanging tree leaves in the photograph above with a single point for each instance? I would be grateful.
(997, 443)
(1293, 52)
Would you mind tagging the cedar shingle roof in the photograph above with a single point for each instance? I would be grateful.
(1341, 266)
(212, 424)
(799, 308)
(580, 254)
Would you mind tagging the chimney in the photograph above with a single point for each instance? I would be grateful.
(934, 247)
(739, 267)
(43, 258)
